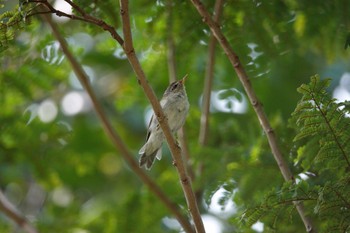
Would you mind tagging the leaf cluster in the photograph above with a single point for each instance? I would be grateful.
(10, 22)
(279, 205)
(323, 153)
(321, 121)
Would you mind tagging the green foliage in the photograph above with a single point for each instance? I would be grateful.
(81, 183)
(278, 205)
(322, 140)
(13, 20)
(329, 201)
(333, 205)
(319, 118)
(10, 22)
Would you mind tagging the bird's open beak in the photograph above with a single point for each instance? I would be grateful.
(182, 81)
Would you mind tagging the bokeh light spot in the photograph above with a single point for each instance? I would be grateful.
(62, 196)
(75, 102)
(47, 111)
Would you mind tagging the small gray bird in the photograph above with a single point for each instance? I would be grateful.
(175, 107)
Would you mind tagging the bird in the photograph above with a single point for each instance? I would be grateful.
(175, 106)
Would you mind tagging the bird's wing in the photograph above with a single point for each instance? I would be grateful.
(153, 124)
(149, 128)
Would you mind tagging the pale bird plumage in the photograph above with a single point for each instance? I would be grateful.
(175, 106)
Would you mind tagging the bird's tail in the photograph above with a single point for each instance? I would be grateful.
(148, 160)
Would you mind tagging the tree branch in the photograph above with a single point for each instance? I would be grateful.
(170, 41)
(209, 75)
(174, 148)
(208, 80)
(172, 78)
(10, 211)
(112, 134)
(124, 12)
(85, 17)
(243, 77)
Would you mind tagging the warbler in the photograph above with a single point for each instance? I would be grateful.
(175, 106)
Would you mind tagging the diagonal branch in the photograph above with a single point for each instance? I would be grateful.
(10, 211)
(174, 148)
(243, 77)
(112, 134)
(124, 12)
(84, 17)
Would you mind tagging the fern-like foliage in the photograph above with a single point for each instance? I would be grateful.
(278, 205)
(319, 119)
(323, 131)
(323, 142)
(333, 205)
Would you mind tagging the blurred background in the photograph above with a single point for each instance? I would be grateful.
(58, 167)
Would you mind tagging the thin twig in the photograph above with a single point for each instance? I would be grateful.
(186, 152)
(172, 78)
(76, 7)
(170, 41)
(174, 148)
(85, 17)
(114, 137)
(209, 75)
(10, 211)
(243, 77)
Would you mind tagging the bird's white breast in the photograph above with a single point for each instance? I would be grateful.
(176, 111)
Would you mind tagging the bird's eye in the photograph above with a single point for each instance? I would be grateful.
(174, 86)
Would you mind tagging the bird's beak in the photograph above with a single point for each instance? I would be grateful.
(182, 81)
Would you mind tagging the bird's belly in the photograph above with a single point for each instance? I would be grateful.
(177, 117)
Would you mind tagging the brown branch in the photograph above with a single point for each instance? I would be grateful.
(112, 134)
(76, 7)
(172, 78)
(170, 41)
(10, 211)
(174, 148)
(243, 77)
(124, 12)
(209, 75)
(85, 17)
(186, 153)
